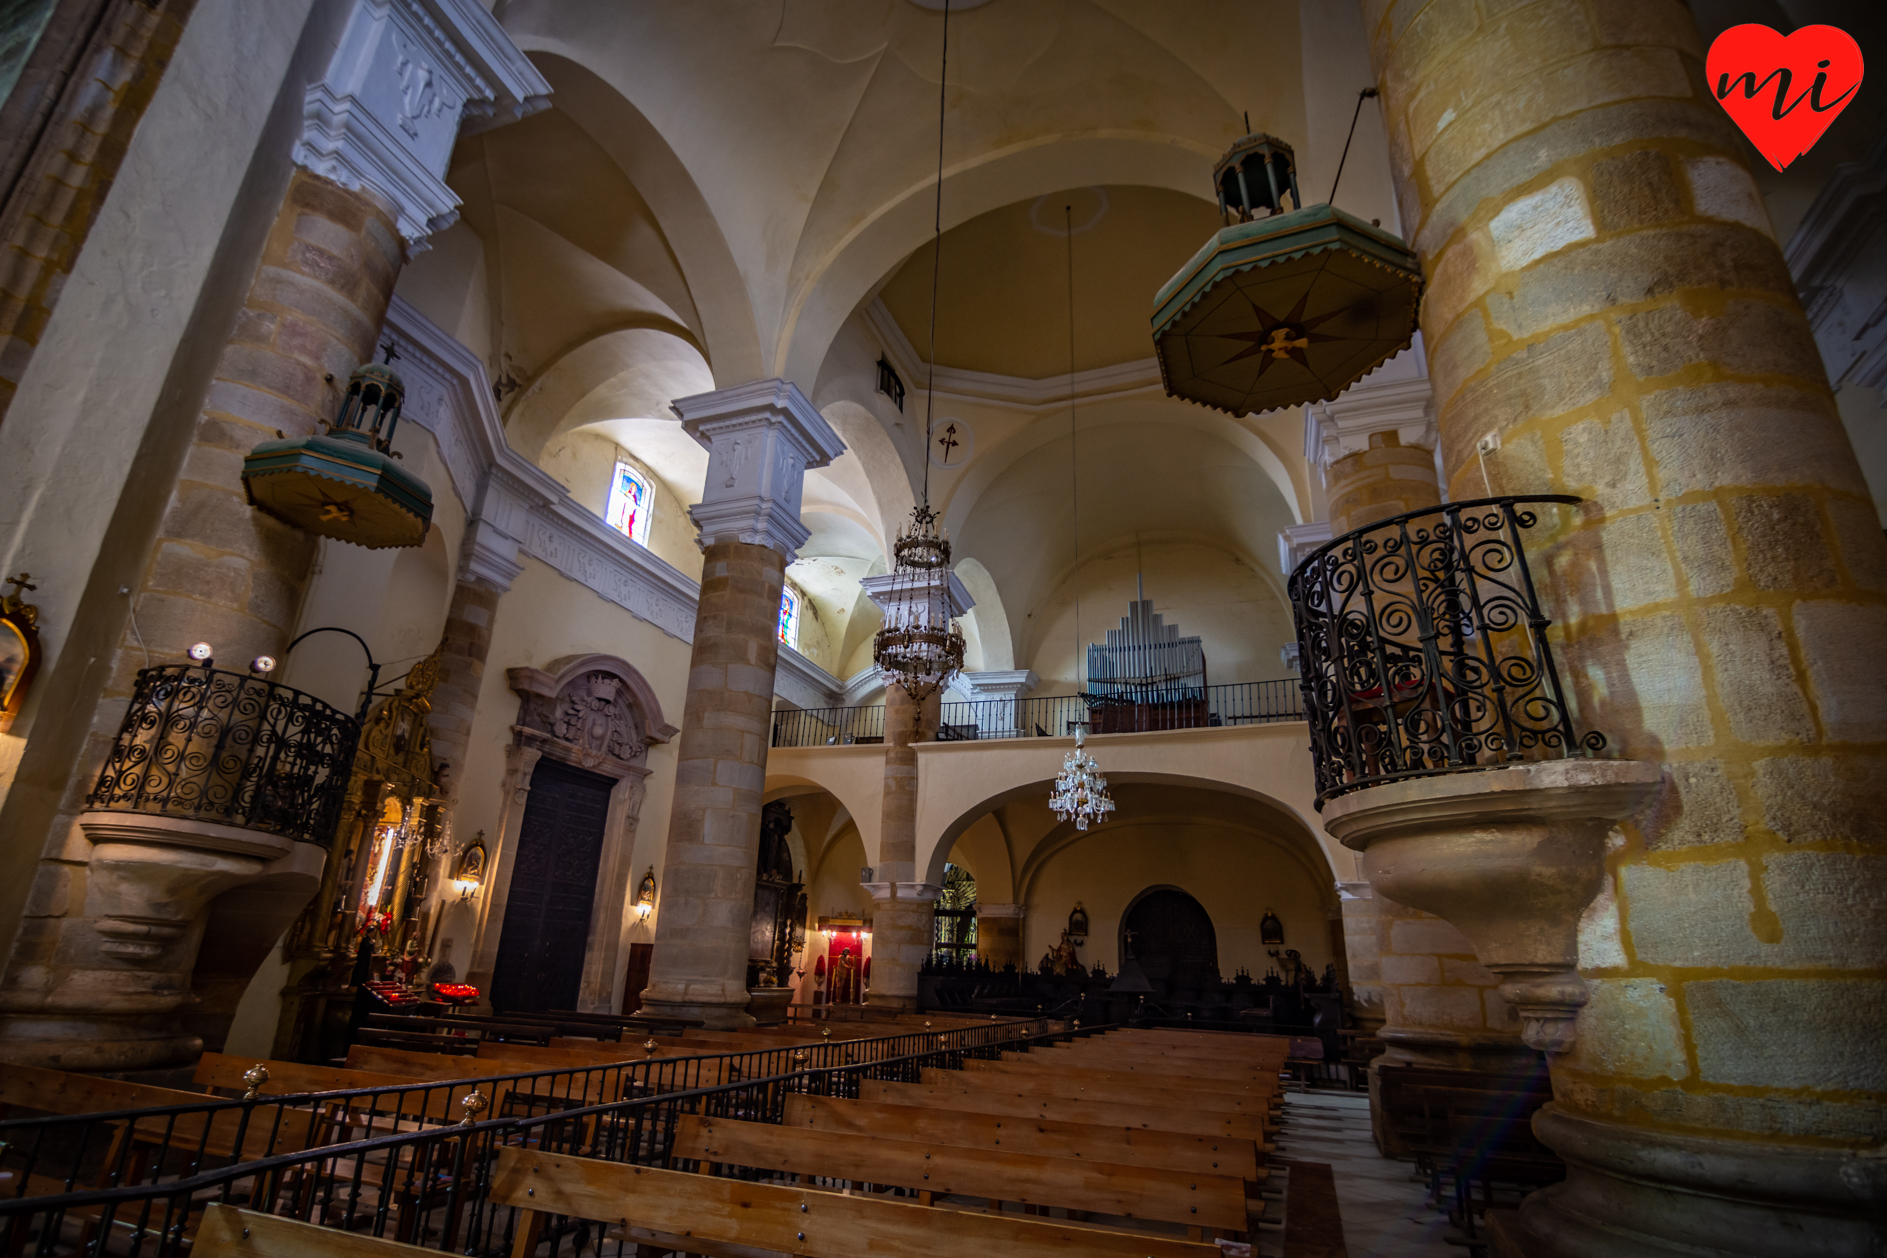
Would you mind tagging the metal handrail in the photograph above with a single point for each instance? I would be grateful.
(1422, 648)
(1051, 716)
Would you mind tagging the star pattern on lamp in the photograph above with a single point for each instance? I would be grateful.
(1278, 339)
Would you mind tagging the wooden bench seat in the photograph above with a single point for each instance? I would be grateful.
(1100, 1075)
(1065, 1085)
(1024, 1105)
(1126, 1146)
(1193, 1067)
(1202, 1202)
(704, 1214)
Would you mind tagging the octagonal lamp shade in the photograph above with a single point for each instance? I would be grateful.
(1285, 310)
(344, 483)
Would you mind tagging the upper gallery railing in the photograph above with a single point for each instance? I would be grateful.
(1054, 716)
(230, 748)
(1423, 649)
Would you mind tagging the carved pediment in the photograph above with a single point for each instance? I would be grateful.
(592, 714)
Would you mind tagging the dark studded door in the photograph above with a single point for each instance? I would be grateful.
(553, 887)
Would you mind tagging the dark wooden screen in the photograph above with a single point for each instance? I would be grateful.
(641, 956)
(553, 887)
(1173, 940)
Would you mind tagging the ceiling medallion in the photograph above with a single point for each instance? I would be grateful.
(1282, 308)
(1080, 793)
(343, 483)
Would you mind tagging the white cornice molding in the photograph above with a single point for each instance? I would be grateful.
(761, 438)
(1001, 910)
(1830, 257)
(1000, 684)
(1343, 426)
(514, 507)
(1298, 541)
(889, 590)
(803, 683)
(404, 76)
(861, 686)
(1018, 391)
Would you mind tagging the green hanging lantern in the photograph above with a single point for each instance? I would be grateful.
(1286, 309)
(343, 483)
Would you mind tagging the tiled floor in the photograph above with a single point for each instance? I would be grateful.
(1382, 1203)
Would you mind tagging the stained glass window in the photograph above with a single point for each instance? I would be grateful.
(789, 616)
(630, 503)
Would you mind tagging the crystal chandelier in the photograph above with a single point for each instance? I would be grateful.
(1080, 793)
(920, 647)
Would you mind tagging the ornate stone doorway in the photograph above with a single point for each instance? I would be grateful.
(594, 715)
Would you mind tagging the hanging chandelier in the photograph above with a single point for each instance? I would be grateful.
(1080, 793)
(920, 647)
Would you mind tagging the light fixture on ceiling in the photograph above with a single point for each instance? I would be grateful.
(1288, 308)
(920, 647)
(1080, 792)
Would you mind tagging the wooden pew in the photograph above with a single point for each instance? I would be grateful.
(1061, 1085)
(1098, 1059)
(437, 1068)
(1100, 1076)
(1203, 1203)
(287, 1078)
(1126, 1146)
(229, 1232)
(1104, 1113)
(707, 1215)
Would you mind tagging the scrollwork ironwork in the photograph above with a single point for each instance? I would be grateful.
(1423, 648)
(229, 748)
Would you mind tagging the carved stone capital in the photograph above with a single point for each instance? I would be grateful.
(761, 438)
(1511, 857)
(1016, 911)
(388, 111)
(1344, 425)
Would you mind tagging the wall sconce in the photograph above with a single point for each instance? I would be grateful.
(1270, 929)
(470, 874)
(645, 895)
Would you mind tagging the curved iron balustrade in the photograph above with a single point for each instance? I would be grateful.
(230, 748)
(1423, 648)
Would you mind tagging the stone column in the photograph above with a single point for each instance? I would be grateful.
(105, 954)
(902, 923)
(1358, 904)
(1375, 447)
(999, 934)
(761, 438)
(1607, 300)
(467, 641)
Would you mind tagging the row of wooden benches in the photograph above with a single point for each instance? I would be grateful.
(990, 1133)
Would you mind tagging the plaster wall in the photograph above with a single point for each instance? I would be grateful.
(584, 461)
(1864, 414)
(1235, 874)
(448, 284)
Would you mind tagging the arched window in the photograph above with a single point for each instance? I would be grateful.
(789, 616)
(631, 503)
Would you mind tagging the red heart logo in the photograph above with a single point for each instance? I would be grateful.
(1784, 90)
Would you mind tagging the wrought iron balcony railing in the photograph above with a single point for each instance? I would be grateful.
(1423, 649)
(1052, 716)
(230, 748)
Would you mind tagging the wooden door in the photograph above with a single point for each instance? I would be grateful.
(640, 957)
(1173, 940)
(553, 888)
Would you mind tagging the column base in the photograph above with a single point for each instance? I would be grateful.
(1634, 1193)
(1502, 1058)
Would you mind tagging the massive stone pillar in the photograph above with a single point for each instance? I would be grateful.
(1607, 302)
(1375, 448)
(902, 921)
(104, 957)
(761, 438)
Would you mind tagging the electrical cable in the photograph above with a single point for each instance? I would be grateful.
(936, 249)
(1074, 456)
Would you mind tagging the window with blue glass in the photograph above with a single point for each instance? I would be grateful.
(789, 616)
(631, 503)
